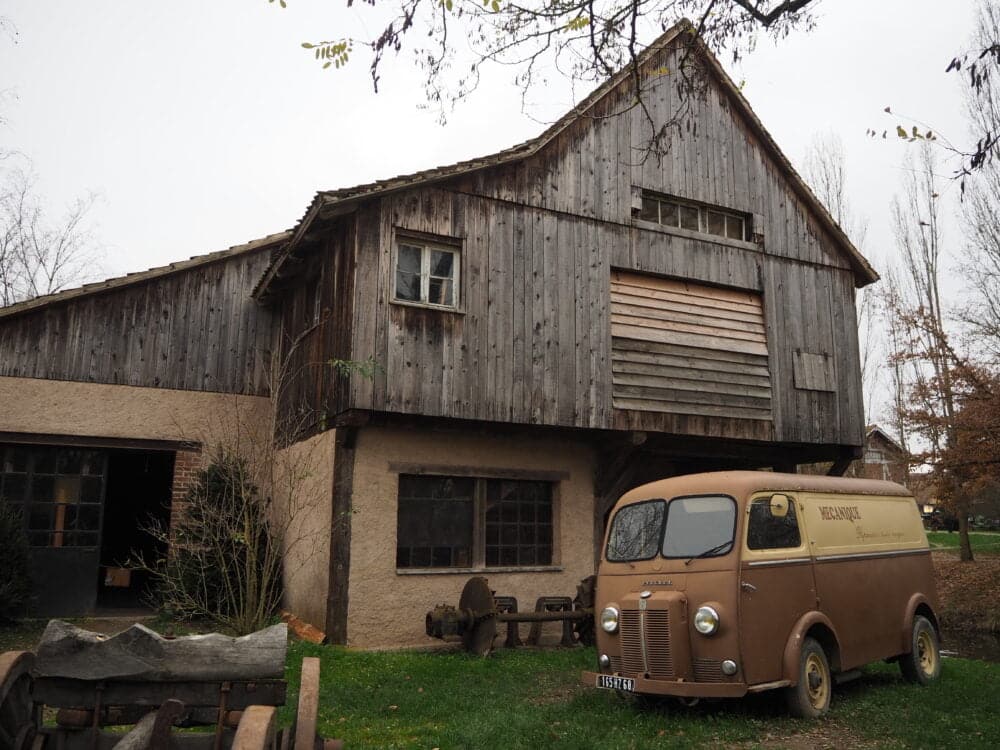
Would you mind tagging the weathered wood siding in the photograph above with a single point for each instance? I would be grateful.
(685, 348)
(197, 329)
(315, 318)
(532, 340)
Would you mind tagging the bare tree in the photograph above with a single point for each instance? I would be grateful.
(932, 391)
(585, 41)
(824, 168)
(981, 207)
(39, 255)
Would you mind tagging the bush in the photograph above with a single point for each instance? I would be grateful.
(15, 582)
(224, 561)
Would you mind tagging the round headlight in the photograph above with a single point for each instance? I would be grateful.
(609, 619)
(706, 620)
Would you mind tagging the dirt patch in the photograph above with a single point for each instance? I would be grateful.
(968, 591)
(825, 736)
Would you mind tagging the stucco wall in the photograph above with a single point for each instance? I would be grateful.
(303, 493)
(387, 608)
(59, 407)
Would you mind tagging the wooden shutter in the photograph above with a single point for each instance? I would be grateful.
(684, 348)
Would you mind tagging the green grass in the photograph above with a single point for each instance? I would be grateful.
(987, 542)
(532, 699)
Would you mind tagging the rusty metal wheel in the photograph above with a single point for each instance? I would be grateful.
(477, 601)
(257, 729)
(18, 715)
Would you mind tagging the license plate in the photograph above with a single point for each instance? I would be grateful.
(613, 682)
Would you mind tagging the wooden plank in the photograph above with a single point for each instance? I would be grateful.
(673, 382)
(680, 314)
(749, 360)
(714, 337)
(717, 375)
(705, 410)
(657, 284)
(693, 305)
(684, 396)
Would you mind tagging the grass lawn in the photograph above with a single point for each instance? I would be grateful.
(985, 542)
(532, 699)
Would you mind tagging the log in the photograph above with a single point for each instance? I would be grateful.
(142, 654)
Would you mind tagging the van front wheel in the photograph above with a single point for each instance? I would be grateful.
(810, 699)
(923, 664)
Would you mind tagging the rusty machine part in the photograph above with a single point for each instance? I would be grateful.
(153, 708)
(477, 615)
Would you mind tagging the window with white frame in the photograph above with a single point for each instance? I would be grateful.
(695, 217)
(427, 273)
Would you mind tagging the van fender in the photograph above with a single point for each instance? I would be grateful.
(793, 647)
(906, 634)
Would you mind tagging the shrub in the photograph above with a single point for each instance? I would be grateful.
(224, 561)
(15, 582)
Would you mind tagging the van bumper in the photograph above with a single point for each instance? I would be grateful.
(676, 688)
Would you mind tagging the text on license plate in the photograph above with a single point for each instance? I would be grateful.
(612, 682)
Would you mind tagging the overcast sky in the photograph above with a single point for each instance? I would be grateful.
(204, 124)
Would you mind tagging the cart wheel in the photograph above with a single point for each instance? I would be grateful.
(18, 715)
(308, 709)
(477, 601)
(257, 729)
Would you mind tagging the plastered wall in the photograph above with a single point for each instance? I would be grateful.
(387, 608)
(59, 407)
(303, 496)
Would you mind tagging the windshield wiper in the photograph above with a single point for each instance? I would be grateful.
(710, 551)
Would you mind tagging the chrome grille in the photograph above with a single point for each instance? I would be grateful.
(708, 670)
(658, 653)
(616, 664)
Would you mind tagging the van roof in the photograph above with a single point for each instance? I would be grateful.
(743, 483)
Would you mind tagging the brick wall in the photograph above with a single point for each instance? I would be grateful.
(187, 464)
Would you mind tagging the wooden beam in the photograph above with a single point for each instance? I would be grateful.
(96, 441)
(487, 472)
(340, 536)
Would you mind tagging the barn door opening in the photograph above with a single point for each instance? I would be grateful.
(137, 498)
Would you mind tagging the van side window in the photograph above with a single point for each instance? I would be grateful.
(767, 531)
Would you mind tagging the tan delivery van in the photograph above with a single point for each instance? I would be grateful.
(718, 585)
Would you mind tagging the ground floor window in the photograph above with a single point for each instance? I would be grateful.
(466, 522)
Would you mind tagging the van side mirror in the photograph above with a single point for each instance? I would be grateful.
(779, 506)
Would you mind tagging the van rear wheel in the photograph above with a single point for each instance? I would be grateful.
(923, 664)
(810, 699)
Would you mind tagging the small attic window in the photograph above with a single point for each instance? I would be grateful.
(426, 273)
(695, 217)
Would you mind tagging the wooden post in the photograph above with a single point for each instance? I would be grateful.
(340, 536)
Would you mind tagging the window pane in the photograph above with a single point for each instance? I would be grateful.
(717, 223)
(636, 531)
(407, 286)
(442, 264)
(689, 218)
(668, 214)
(650, 210)
(439, 292)
(90, 490)
(409, 258)
(15, 460)
(767, 531)
(14, 488)
(43, 489)
(69, 462)
(735, 228)
(45, 461)
(696, 525)
(515, 532)
(434, 525)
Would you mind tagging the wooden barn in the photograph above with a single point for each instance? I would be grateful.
(475, 360)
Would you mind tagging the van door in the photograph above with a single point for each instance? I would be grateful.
(776, 583)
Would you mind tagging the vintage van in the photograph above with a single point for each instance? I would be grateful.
(722, 584)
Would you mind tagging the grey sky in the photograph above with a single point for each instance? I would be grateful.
(204, 124)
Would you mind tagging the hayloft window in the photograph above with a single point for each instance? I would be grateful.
(467, 522)
(426, 273)
(672, 212)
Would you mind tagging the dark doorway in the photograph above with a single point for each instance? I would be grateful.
(137, 497)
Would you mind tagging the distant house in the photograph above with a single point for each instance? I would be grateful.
(544, 328)
(883, 458)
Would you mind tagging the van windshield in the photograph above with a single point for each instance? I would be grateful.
(685, 527)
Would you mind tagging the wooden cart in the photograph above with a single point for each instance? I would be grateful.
(146, 686)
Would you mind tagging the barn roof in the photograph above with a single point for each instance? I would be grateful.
(271, 241)
(328, 200)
